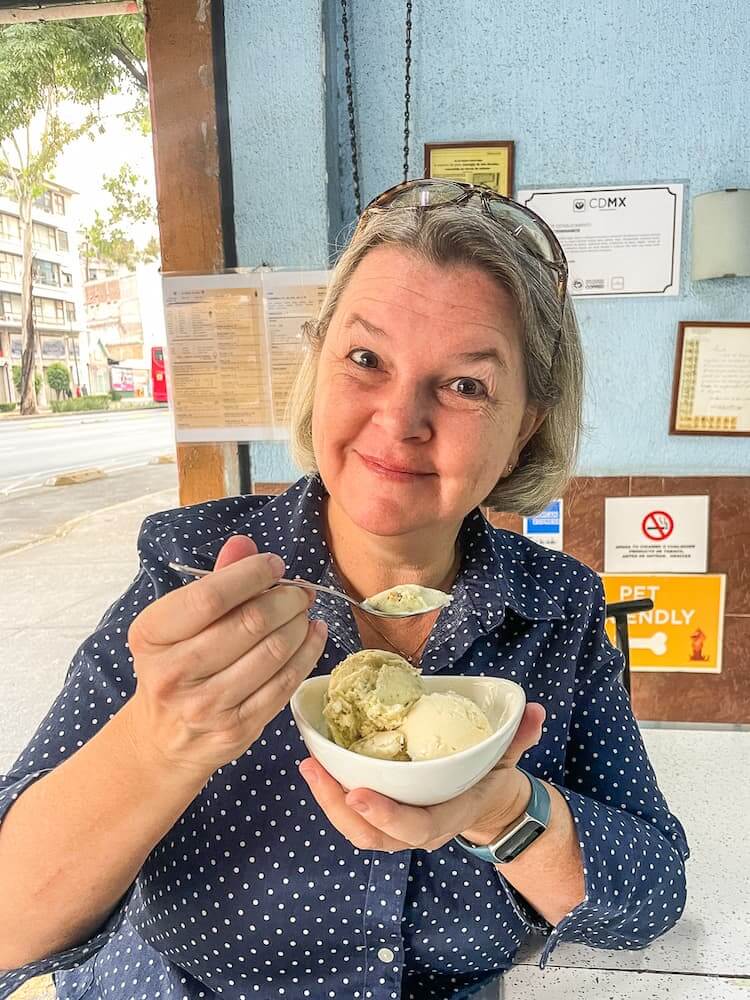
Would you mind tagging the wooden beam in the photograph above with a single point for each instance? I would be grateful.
(179, 48)
(68, 11)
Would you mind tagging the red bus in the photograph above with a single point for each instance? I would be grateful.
(158, 375)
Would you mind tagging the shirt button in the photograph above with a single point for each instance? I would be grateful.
(386, 955)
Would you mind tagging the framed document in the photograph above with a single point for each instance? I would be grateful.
(711, 390)
(489, 163)
(618, 240)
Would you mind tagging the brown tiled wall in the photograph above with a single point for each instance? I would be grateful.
(721, 697)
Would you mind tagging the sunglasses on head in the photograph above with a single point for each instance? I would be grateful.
(532, 232)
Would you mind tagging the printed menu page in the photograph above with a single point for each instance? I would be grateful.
(234, 346)
(289, 306)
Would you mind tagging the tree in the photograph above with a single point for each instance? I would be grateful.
(17, 379)
(106, 239)
(42, 65)
(58, 378)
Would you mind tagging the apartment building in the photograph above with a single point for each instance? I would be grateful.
(124, 321)
(57, 284)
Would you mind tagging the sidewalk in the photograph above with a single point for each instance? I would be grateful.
(51, 597)
(28, 517)
(16, 417)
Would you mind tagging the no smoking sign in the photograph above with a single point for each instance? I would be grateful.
(656, 535)
(657, 525)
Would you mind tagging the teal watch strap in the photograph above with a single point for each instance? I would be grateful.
(532, 825)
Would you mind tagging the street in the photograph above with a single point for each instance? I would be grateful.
(33, 450)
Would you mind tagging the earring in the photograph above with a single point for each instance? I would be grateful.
(510, 469)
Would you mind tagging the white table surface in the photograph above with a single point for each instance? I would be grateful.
(705, 776)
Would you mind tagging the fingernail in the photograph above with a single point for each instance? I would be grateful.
(321, 629)
(361, 807)
(276, 564)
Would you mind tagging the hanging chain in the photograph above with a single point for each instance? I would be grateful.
(407, 88)
(350, 98)
(350, 105)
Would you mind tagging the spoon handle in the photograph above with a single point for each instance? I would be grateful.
(194, 571)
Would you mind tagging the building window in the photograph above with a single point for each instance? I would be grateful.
(49, 312)
(10, 266)
(67, 278)
(44, 236)
(70, 312)
(59, 203)
(62, 240)
(10, 305)
(10, 227)
(44, 201)
(46, 273)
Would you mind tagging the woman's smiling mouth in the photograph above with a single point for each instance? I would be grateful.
(392, 470)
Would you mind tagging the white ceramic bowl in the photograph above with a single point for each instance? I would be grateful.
(423, 782)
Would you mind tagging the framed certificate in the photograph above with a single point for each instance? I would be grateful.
(619, 241)
(711, 390)
(489, 163)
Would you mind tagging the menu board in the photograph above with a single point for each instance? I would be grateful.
(290, 301)
(234, 345)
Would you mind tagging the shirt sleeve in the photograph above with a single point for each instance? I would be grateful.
(633, 848)
(98, 683)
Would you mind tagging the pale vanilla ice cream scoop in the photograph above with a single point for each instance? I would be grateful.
(443, 723)
(371, 692)
(408, 597)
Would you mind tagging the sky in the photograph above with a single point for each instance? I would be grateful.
(85, 163)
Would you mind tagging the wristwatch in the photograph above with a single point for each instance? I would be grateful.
(530, 826)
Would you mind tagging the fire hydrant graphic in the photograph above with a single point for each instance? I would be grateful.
(697, 639)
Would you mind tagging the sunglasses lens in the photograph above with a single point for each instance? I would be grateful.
(418, 195)
(526, 229)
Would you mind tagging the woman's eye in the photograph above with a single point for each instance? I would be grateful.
(470, 387)
(365, 359)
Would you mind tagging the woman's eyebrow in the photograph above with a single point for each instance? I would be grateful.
(355, 319)
(486, 354)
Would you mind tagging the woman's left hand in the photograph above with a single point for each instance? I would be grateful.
(372, 822)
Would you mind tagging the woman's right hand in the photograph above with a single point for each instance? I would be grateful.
(217, 659)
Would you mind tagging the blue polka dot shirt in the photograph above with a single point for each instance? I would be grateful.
(254, 894)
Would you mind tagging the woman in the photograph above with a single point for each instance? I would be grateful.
(159, 839)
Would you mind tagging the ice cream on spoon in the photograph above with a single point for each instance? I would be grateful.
(407, 597)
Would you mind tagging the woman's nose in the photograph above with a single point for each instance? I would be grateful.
(404, 413)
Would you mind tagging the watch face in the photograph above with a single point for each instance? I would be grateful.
(520, 840)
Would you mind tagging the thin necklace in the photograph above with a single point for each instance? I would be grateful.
(414, 656)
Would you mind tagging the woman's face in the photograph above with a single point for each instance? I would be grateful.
(420, 401)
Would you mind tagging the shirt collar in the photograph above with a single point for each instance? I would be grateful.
(492, 577)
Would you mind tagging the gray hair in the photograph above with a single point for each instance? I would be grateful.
(450, 236)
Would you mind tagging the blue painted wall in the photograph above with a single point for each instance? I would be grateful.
(591, 92)
(277, 108)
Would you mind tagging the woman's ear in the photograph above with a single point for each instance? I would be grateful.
(533, 418)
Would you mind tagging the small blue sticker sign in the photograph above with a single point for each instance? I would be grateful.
(546, 528)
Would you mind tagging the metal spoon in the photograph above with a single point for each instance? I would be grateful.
(362, 605)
